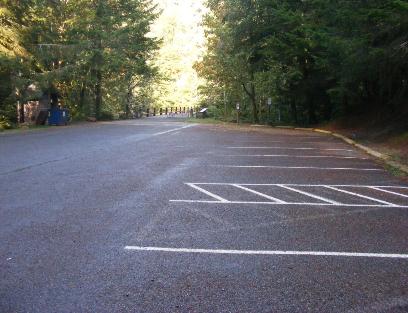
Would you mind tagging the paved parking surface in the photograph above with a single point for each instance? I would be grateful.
(162, 216)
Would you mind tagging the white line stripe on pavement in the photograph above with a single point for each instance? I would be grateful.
(269, 252)
(173, 130)
(310, 195)
(360, 196)
(390, 192)
(291, 156)
(303, 185)
(290, 148)
(285, 141)
(259, 194)
(294, 203)
(303, 167)
(222, 200)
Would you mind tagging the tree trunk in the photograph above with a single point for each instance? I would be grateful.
(252, 97)
(254, 104)
(82, 95)
(293, 111)
(98, 57)
(98, 93)
(311, 111)
(21, 113)
(127, 106)
(346, 106)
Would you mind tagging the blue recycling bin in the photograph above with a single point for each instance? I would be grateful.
(58, 117)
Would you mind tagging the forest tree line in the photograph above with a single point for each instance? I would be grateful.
(316, 59)
(89, 55)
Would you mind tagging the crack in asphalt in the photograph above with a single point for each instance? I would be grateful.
(21, 169)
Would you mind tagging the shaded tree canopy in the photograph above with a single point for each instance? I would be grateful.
(316, 59)
(92, 54)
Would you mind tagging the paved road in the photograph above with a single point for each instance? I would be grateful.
(161, 216)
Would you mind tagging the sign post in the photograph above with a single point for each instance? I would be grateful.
(238, 113)
(269, 109)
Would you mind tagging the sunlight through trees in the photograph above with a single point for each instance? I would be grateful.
(183, 44)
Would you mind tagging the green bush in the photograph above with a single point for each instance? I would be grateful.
(106, 116)
(4, 123)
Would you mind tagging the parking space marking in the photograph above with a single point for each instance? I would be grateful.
(310, 195)
(268, 252)
(292, 156)
(306, 185)
(278, 201)
(291, 148)
(378, 203)
(390, 192)
(266, 142)
(304, 167)
(360, 196)
(220, 199)
(295, 204)
(173, 130)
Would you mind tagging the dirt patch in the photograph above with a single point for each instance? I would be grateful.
(395, 146)
(390, 138)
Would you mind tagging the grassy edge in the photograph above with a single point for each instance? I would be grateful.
(204, 121)
(26, 129)
(395, 171)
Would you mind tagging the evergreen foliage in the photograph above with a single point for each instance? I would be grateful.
(316, 59)
(91, 55)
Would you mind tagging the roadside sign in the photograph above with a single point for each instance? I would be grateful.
(269, 101)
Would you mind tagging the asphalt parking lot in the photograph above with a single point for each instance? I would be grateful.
(162, 216)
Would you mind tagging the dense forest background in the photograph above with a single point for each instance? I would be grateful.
(317, 60)
(285, 61)
(88, 55)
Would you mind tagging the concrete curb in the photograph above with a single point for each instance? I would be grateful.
(383, 157)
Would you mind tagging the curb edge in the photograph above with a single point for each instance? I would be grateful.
(383, 157)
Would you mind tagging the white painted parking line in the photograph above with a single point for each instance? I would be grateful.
(259, 194)
(304, 185)
(309, 194)
(294, 204)
(173, 130)
(397, 187)
(220, 199)
(295, 188)
(268, 252)
(291, 156)
(291, 148)
(284, 140)
(390, 192)
(360, 196)
(303, 167)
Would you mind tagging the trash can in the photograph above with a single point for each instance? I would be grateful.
(203, 113)
(58, 117)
